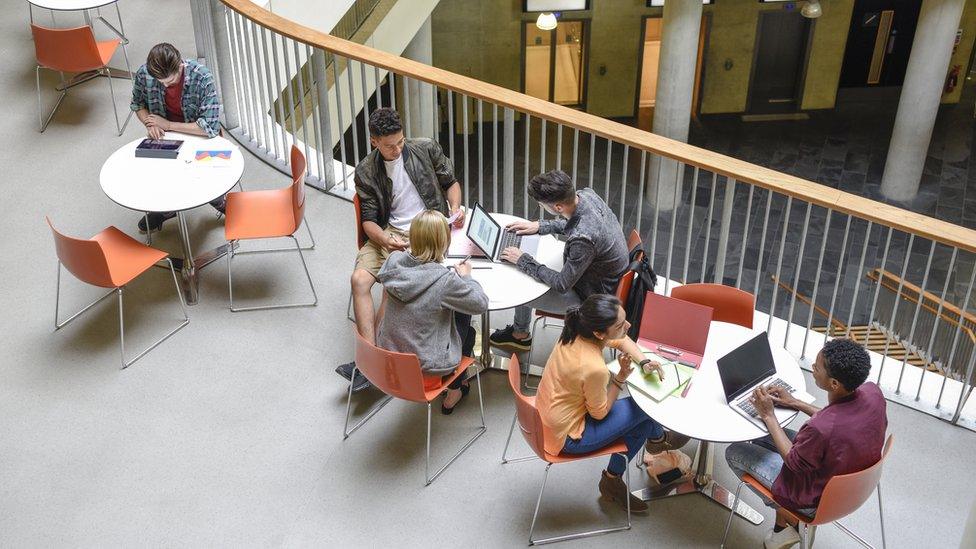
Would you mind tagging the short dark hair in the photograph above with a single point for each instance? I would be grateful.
(846, 361)
(163, 60)
(384, 122)
(551, 187)
(597, 313)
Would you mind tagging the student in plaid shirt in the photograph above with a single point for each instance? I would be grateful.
(170, 93)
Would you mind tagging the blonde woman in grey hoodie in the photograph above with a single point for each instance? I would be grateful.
(428, 306)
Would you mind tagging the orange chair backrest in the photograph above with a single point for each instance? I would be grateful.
(624, 285)
(298, 185)
(83, 258)
(728, 304)
(67, 50)
(360, 233)
(529, 420)
(844, 494)
(633, 240)
(396, 374)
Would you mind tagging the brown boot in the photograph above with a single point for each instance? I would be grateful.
(671, 441)
(615, 489)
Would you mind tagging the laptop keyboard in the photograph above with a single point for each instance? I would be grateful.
(746, 404)
(509, 238)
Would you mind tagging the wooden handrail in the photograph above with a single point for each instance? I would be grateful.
(804, 299)
(890, 282)
(802, 189)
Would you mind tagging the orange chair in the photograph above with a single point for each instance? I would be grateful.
(76, 51)
(110, 259)
(729, 304)
(842, 495)
(276, 213)
(399, 375)
(530, 424)
(623, 291)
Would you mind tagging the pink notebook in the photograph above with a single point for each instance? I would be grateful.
(461, 245)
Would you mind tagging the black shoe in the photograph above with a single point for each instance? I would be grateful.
(465, 389)
(220, 206)
(503, 339)
(156, 220)
(345, 370)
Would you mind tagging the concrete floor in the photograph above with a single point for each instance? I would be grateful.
(229, 434)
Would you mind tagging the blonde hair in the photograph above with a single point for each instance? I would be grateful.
(430, 236)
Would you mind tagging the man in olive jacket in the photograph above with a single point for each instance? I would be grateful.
(397, 180)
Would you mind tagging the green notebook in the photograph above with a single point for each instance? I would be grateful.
(675, 377)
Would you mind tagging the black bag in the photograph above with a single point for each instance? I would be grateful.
(644, 281)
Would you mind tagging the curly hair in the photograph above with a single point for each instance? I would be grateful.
(551, 187)
(384, 122)
(846, 361)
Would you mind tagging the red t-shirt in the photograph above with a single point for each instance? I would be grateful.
(844, 437)
(173, 97)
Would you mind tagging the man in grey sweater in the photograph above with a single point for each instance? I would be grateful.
(594, 259)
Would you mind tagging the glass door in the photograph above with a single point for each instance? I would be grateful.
(554, 62)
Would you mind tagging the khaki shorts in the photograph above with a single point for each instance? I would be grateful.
(372, 256)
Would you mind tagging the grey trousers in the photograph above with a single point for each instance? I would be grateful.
(550, 302)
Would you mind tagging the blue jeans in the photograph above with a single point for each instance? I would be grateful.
(761, 460)
(624, 420)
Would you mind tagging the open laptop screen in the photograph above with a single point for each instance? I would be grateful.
(745, 366)
(484, 231)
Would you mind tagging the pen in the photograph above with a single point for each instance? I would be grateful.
(482, 268)
(687, 388)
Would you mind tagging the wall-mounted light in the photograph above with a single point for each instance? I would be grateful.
(811, 9)
(546, 21)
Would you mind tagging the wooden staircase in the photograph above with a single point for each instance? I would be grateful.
(878, 340)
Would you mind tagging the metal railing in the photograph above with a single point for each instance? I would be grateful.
(704, 216)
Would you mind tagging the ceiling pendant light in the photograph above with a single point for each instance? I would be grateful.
(546, 21)
(812, 9)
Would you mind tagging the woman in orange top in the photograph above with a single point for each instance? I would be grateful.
(577, 401)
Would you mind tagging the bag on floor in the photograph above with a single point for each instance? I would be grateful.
(667, 467)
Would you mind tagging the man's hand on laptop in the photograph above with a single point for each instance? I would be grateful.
(511, 254)
(394, 243)
(783, 398)
(762, 400)
(523, 227)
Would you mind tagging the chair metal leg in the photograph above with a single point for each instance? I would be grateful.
(811, 535)
(186, 320)
(728, 524)
(580, 534)
(115, 108)
(511, 430)
(42, 123)
(230, 279)
(346, 431)
(538, 503)
(481, 430)
(884, 544)
(57, 299)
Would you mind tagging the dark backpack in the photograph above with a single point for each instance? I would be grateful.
(644, 281)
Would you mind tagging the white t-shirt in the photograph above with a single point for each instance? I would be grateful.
(406, 200)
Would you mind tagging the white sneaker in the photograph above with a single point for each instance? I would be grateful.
(785, 538)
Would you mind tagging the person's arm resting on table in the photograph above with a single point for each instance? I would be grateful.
(805, 453)
(579, 255)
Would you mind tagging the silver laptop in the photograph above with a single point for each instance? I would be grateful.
(491, 238)
(747, 367)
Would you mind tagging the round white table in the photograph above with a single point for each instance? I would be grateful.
(704, 414)
(505, 285)
(174, 185)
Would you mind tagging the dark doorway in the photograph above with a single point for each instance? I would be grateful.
(781, 53)
(879, 43)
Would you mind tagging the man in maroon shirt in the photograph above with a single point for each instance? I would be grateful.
(844, 437)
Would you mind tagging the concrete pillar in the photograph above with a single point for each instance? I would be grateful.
(420, 107)
(675, 88)
(920, 97)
